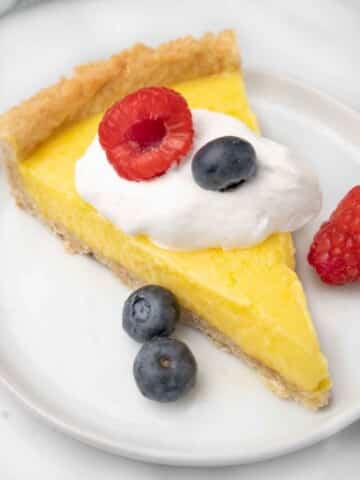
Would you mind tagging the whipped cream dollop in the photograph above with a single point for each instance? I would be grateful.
(176, 213)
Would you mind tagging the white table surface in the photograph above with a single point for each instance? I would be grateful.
(328, 32)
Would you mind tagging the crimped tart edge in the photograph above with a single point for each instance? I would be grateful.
(94, 86)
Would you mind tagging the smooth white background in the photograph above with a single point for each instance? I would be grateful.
(320, 48)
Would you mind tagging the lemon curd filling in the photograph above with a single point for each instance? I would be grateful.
(252, 295)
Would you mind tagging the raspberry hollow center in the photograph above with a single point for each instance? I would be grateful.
(147, 133)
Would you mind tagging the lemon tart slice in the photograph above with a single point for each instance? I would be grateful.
(248, 300)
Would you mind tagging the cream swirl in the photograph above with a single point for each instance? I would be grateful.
(176, 213)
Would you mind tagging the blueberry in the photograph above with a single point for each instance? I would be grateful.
(149, 312)
(164, 369)
(224, 163)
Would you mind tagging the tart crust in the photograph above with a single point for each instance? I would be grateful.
(93, 88)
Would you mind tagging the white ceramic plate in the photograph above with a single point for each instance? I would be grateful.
(62, 351)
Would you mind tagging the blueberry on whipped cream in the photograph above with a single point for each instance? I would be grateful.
(224, 163)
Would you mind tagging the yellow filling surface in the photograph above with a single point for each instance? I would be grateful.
(252, 295)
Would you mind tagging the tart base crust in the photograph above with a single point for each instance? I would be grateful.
(91, 90)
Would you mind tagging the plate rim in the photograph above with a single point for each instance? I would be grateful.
(169, 457)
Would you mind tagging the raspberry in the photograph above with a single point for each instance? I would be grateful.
(147, 132)
(335, 251)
